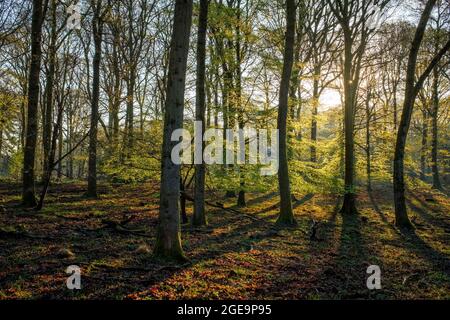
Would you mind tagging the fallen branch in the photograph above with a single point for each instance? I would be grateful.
(120, 227)
(219, 205)
(20, 234)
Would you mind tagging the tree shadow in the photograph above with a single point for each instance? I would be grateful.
(424, 212)
(303, 200)
(348, 274)
(416, 244)
(377, 209)
(295, 204)
(262, 198)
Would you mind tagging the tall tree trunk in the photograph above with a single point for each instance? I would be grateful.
(28, 193)
(23, 121)
(286, 216)
(368, 143)
(60, 148)
(315, 113)
(129, 135)
(349, 206)
(241, 202)
(424, 148)
(1, 144)
(69, 162)
(131, 83)
(199, 217)
(395, 103)
(51, 159)
(434, 141)
(401, 215)
(97, 25)
(168, 239)
(294, 94)
(116, 96)
(48, 108)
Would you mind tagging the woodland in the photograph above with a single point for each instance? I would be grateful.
(91, 92)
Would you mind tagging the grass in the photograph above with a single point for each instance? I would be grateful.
(237, 256)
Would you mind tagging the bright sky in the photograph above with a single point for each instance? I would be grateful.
(330, 98)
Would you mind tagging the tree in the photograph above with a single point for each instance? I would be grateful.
(325, 47)
(28, 191)
(168, 239)
(434, 134)
(49, 90)
(97, 28)
(354, 19)
(199, 217)
(439, 31)
(412, 88)
(286, 216)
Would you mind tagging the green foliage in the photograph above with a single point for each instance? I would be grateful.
(133, 170)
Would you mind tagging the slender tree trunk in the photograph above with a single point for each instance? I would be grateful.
(28, 194)
(368, 143)
(98, 37)
(116, 96)
(401, 214)
(299, 111)
(349, 206)
(286, 216)
(48, 108)
(199, 217)
(129, 136)
(69, 145)
(434, 141)
(424, 148)
(241, 202)
(208, 101)
(131, 83)
(1, 143)
(60, 148)
(294, 88)
(168, 239)
(395, 103)
(184, 217)
(51, 159)
(314, 114)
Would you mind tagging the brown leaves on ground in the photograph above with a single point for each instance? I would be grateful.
(235, 257)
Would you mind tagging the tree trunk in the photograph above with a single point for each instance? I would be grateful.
(28, 194)
(349, 206)
(116, 96)
(424, 148)
(51, 159)
(60, 148)
(184, 217)
(368, 143)
(69, 162)
(241, 202)
(434, 141)
(129, 135)
(314, 114)
(98, 34)
(199, 218)
(48, 108)
(1, 144)
(168, 239)
(286, 216)
(401, 214)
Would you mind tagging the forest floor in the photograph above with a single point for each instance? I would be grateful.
(238, 256)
